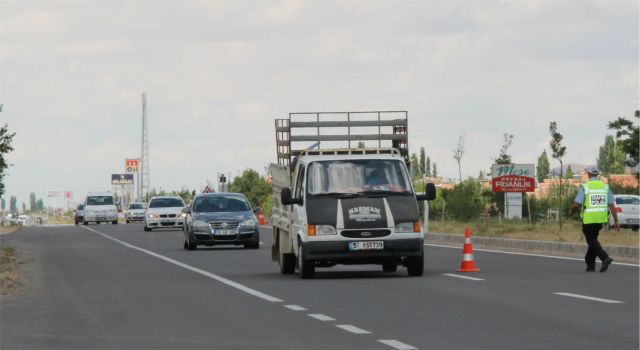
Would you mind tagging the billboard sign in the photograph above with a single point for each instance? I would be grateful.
(122, 179)
(131, 166)
(513, 178)
(53, 194)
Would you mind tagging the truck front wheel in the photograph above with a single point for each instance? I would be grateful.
(415, 265)
(307, 267)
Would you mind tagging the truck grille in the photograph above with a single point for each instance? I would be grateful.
(365, 233)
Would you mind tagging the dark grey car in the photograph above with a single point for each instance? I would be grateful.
(220, 218)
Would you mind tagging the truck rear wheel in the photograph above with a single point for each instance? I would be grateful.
(415, 265)
(287, 263)
(307, 267)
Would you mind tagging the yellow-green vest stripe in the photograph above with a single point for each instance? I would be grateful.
(595, 209)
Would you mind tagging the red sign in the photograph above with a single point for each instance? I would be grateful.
(68, 195)
(207, 189)
(513, 183)
(131, 165)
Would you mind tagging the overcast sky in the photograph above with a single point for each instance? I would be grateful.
(217, 73)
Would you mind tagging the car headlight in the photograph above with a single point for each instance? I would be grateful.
(325, 230)
(201, 226)
(183, 215)
(248, 223)
(408, 227)
(152, 216)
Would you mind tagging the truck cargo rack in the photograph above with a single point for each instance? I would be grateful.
(341, 127)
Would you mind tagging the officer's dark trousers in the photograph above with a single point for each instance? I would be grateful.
(591, 232)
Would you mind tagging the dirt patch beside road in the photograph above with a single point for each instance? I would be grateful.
(9, 282)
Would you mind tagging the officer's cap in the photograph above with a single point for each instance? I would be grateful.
(592, 169)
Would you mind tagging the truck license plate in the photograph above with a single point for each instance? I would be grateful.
(224, 232)
(367, 245)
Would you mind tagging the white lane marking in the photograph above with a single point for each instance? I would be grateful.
(397, 344)
(220, 279)
(261, 243)
(322, 317)
(295, 307)
(463, 277)
(525, 254)
(608, 301)
(352, 329)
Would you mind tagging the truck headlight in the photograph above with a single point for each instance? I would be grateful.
(408, 227)
(201, 226)
(325, 230)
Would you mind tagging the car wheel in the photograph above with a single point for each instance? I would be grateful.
(255, 244)
(415, 265)
(85, 222)
(127, 221)
(114, 222)
(192, 246)
(389, 266)
(307, 268)
(185, 245)
(146, 228)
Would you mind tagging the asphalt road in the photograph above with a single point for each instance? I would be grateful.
(118, 287)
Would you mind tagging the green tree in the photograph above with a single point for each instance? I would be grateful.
(569, 173)
(5, 147)
(254, 187)
(504, 157)
(33, 204)
(543, 166)
(611, 157)
(13, 204)
(628, 136)
(40, 205)
(465, 201)
(3, 204)
(558, 151)
(435, 170)
(184, 193)
(423, 162)
(428, 167)
(415, 167)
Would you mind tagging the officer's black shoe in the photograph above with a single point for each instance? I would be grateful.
(591, 269)
(605, 264)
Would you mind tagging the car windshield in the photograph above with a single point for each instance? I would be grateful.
(357, 177)
(136, 206)
(212, 204)
(81, 207)
(166, 203)
(100, 200)
(628, 200)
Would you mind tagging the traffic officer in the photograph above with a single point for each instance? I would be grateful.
(596, 200)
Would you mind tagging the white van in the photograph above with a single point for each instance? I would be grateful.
(100, 207)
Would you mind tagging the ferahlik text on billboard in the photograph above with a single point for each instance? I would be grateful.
(513, 178)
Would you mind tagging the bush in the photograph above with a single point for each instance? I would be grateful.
(465, 201)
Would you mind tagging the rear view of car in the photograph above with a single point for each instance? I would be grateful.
(78, 214)
(135, 212)
(164, 212)
(628, 209)
(100, 207)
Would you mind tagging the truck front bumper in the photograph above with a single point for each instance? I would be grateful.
(338, 251)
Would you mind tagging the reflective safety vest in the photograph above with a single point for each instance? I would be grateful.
(595, 209)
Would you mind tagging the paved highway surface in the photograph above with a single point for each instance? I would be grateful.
(118, 287)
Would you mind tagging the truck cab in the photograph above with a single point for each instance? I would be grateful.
(347, 206)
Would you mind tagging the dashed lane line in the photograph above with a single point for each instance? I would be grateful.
(586, 297)
(295, 307)
(463, 277)
(352, 329)
(322, 317)
(397, 344)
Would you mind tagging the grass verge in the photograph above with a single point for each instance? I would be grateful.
(9, 282)
(571, 231)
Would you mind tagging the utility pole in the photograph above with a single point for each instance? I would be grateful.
(143, 180)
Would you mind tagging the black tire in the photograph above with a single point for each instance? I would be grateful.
(114, 222)
(76, 221)
(146, 228)
(255, 244)
(85, 222)
(192, 246)
(127, 221)
(415, 265)
(287, 263)
(306, 267)
(389, 266)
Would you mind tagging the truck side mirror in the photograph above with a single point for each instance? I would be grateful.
(429, 193)
(286, 199)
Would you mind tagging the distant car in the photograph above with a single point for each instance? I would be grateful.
(78, 214)
(628, 209)
(22, 219)
(100, 207)
(164, 212)
(135, 212)
(220, 218)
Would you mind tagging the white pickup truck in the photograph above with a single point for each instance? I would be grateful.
(345, 205)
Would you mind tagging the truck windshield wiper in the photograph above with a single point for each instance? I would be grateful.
(337, 194)
(384, 193)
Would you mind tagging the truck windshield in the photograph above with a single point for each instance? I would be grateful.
(357, 177)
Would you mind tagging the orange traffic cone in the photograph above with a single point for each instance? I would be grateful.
(467, 265)
(261, 220)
